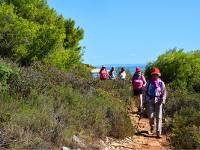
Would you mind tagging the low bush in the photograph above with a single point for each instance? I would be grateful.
(7, 73)
(44, 106)
(179, 99)
(185, 129)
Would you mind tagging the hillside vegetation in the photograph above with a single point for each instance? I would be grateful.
(47, 94)
(43, 107)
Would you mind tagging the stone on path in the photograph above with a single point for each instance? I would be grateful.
(65, 148)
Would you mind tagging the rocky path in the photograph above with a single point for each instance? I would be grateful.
(141, 141)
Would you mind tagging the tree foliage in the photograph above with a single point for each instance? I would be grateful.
(31, 31)
(73, 35)
(179, 68)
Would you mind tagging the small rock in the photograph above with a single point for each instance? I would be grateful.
(102, 143)
(79, 141)
(65, 148)
(128, 139)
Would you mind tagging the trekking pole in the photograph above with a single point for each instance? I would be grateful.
(130, 95)
(164, 114)
(138, 122)
(129, 99)
(164, 121)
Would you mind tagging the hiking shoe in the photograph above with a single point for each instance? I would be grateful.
(139, 111)
(158, 134)
(151, 130)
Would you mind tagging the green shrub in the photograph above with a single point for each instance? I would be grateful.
(179, 69)
(7, 73)
(179, 99)
(186, 129)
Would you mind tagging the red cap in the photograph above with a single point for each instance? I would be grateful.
(155, 71)
(138, 69)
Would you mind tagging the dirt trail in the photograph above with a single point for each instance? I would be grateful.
(140, 141)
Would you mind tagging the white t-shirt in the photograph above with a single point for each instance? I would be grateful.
(123, 75)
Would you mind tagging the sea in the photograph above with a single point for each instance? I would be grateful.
(130, 67)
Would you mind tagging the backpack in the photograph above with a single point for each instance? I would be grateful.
(103, 74)
(137, 81)
(160, 83)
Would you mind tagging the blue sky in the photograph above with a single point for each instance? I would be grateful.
(133, 31)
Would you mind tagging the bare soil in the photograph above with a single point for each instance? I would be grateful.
(142, 140)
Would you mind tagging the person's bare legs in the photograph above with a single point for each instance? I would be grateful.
(140, 102)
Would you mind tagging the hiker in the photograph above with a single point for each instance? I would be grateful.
(112, 74)
(155, 98)
(103, 73)
(138, 83)
(122, 74)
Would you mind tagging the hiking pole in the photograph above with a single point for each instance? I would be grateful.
(130, 95)
(164, 121)
(164, 114)
(138, 122)
(140, 117)
(129, 99)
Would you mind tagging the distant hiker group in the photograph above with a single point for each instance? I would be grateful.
(104, 74)
(153, 92)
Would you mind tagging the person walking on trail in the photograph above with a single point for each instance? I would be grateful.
(155, 97)
(122, 74)
(138, 82)
(103, 73)
(112, 75)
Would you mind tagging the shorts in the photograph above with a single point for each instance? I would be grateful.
(137, 92)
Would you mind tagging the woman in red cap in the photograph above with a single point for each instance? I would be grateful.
(138, 82)
(155, 97)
